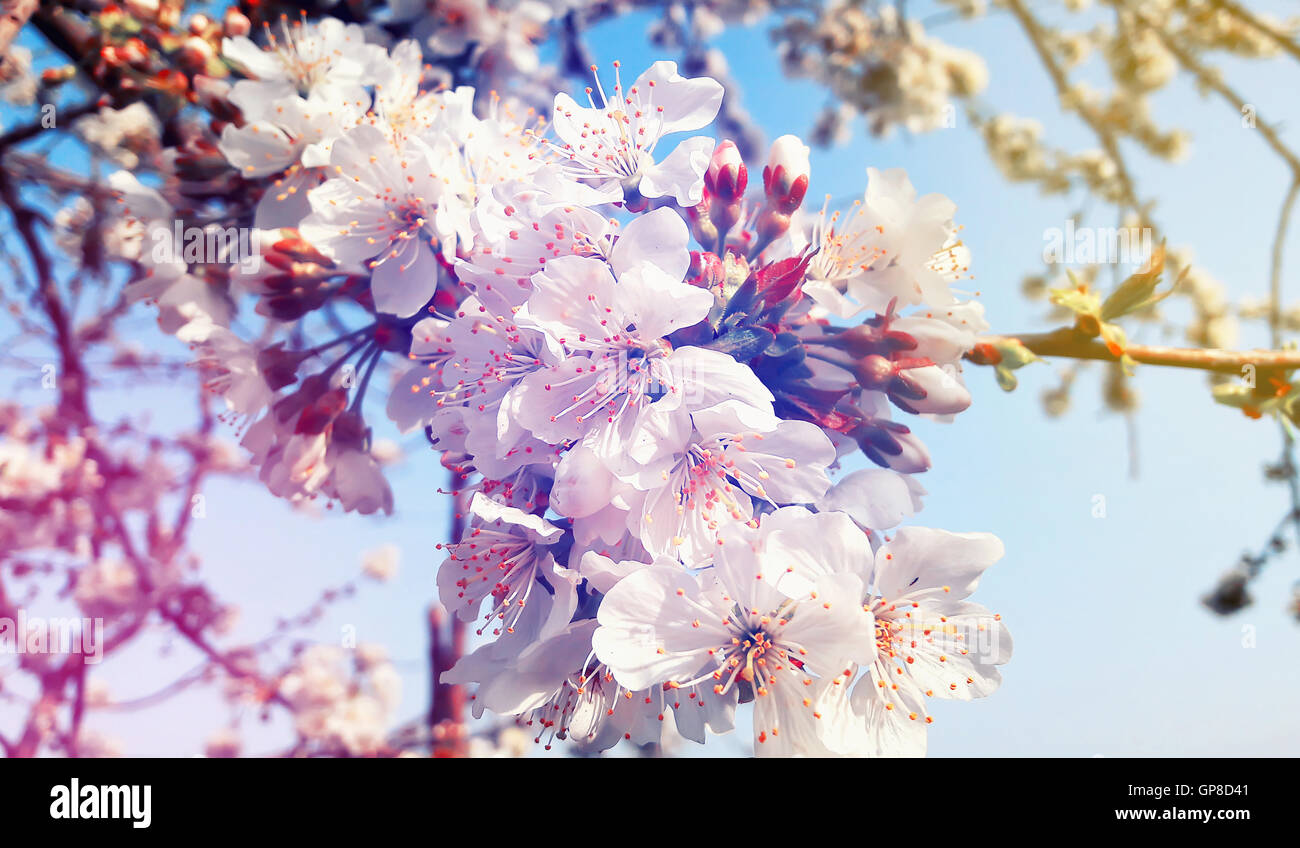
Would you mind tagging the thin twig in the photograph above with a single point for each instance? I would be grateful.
(1240, 12)
(1073, 344)
(1109, 142)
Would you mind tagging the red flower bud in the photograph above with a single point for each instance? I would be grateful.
(785, 179)
(706, 270)
(869, 338)
(724, 186)
(984, 354)
(727, 176)
(321, 412)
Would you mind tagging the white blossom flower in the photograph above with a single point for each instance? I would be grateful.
(892, 247)
(179, 295)
(517, 229)
(620, 378)
(233, 372)
(559, 691)
(761, 621)
(612, 144)
(336, 705)
(469, 366)
(381, 563)
(122, 134)
(303, 57)
(289, 139)
(19, 85)
(309, 444)
(696, 490)
(402, 109)
(393, 209)
(931, 642)
(503, 556)
(355, 479)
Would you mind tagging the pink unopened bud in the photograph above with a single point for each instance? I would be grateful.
(706, 270)
(875, 371)
(299, 249)
(944, 392)
(785, 179)
(724, 185)
(235, 23)
(910, 455)
(727, 176)
(195, 54)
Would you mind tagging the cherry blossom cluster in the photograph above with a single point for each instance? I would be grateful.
(880, 65)
(642, 374)
(362, 180)
(65, 502)
(343, 700)
(100, 522)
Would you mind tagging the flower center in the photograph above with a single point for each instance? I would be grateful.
(847, 251)
(500, 565)
(301, 56)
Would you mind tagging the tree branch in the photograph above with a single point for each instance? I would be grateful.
(447, 732)
(1211, 79)
(1038, 38)
(1070, 343)
(1240, 12)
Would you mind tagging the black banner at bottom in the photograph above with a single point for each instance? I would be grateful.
(330, 797)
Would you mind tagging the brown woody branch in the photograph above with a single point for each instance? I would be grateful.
(1069, 343)
(448, 736)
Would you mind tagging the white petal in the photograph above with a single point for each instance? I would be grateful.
(708, 377)
(920, 561)
(658, 304)
(876, 498)
(688, 104)
(569, 300)
(257, 149)
(681, 174)
(887, 715)
(582, 485)
(659, 238)
(816, 544)
(647, 635)
(403, 284)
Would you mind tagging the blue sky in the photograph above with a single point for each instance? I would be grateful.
(1114, 655)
